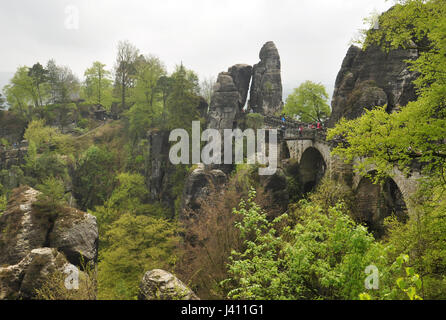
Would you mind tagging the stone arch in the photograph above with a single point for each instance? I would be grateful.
(298, 147)
(312, 168)
(374, 202)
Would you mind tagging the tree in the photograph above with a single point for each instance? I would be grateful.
(2, 102)
(417, 132)
(39, 76)
(63, 84)
(125, 69)
(146, 95)
(183, 99)
(94, 177)
(308, 253)
(97, 85)
(137, 244)
(21, 94)
(149, 70)
(412, 136)
(207, 88)
(309, 102)
(164, 85)
(52, 195)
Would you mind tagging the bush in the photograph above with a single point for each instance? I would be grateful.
(209, 238)
(3, 202)
(136, 244)
(309, 254)
(53, 288)
(52, 195)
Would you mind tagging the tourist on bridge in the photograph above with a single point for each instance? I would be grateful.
(300, 130)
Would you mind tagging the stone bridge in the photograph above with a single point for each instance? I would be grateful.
(313, 153)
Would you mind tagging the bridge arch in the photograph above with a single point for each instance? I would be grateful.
(374, 202)
(312, 168)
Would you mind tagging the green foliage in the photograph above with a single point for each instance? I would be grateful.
(183, 100)
(146, 91)
(137, 244)
(98, 85)
(94, 177)
(417, 131)
(21, 94)
(3, 202)
(53, 288)
(44, 138)
(423, 237)
(128, 196)
(125, 70)
(321, 255)
(46, 147)
(52, 195)
(254, 121)
(408, 283)
(63, 85)
(309, 102)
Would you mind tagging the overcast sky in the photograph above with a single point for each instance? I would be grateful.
(208, 36)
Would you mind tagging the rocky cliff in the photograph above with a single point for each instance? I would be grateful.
(226, 112)
(36, 240)
(229, 97)
(372, 77)
(266, 87)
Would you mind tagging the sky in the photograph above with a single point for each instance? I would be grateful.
(207, 36)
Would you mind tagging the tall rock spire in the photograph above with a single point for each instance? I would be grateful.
(266, 86)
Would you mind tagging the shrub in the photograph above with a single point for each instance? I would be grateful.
(309, 254)
(136, 244)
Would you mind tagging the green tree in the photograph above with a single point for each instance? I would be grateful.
(98, 85)
(63, 84)
(149, 70)
(413, 135)
(94, 177)
(39, 76)
(147, 96)
(309, 102)
(183, 100)
(3, 202)
(137, 244)
(52, 195)
(310, 253)
(125, 70)
(417, 132)
(21, 94)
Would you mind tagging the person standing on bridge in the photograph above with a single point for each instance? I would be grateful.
(300, 130)
(319, 126)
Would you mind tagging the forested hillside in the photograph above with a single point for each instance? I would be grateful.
(355, 210)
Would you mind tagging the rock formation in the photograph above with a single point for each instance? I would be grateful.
(200, 183)
(241, 75)
(266, 87)
(35, 239)
(20, 281)
(161, 285)
(225, 112)
(229, 97)
(372, 78)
